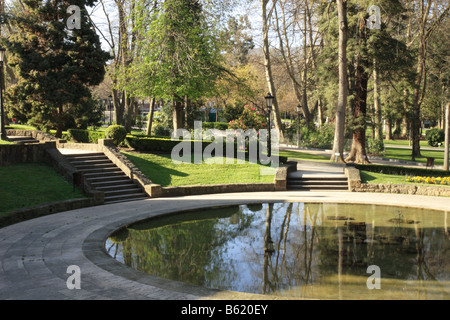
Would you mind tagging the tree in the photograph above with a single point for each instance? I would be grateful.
(55, 66)
(266, 16)
(338, 146)
(425, 18)
(179, 59)
(447, 137)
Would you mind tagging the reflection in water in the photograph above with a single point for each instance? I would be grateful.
(296, 250)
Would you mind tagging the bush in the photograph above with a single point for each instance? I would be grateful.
(375, 146)
(250, 119)
(116, 133)
(84, 136)
(160, 130)
(215, 125)
(402, 171)
(435, 136)
(165, 145)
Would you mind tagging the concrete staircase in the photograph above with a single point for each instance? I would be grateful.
(22, 139)
(103, 175)
(316, 176)
(318, 182)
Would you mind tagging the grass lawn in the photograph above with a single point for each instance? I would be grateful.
(161, 170)
(404, 142)
(405, 154)
(303, 156)
(20, 127)
(372, 177)
(27, 185)
(5, 142)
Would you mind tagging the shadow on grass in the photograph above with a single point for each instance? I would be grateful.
(156, 172)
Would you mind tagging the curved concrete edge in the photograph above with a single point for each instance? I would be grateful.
(35, 254)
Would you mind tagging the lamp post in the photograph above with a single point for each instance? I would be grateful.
(299, 109)
(105, 106)
(2, 111)
(110, 108)
(269, 102)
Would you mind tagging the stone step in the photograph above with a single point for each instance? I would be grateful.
(127, 197)
(315, 187)
(103, 175)
(86, 157)
(116, 185)
(22, 140)
(107, 174)
(109, 181)
(126, 200)
(317, 182)
(90, 162)
(103, 169)
(120, 192)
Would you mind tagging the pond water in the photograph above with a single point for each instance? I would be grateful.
(296, 250)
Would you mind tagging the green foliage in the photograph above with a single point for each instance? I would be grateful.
(116, 133)
(160, 130)
(180, 57)
(215, 125)
(153, 144)
(231, 112)
(55, 67)
(85, 136)
(375, 146)
(321, 138)
(435, 137)
(402, 171)
(250, 119)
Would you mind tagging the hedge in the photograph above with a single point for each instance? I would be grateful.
(85, 136)
(166, 145)
(402, 171)
(215, 125)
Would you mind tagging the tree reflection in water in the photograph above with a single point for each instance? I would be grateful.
(301, 250)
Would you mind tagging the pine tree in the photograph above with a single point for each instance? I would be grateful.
(55, 65)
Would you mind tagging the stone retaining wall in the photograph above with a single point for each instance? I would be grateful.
(20, 215)
(216, 188)
(17, 153)
(355, 185)
(405, 189)
(36, 134)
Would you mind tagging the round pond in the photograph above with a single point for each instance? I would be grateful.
(296, 250)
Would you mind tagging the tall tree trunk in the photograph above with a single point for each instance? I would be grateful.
(151, 112)
(376, 103)
(447, 136)
(417, 101)
(358, 151)
(268, 69)
(177, 120)
(338, 146)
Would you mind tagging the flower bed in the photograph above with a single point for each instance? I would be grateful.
(430, 180)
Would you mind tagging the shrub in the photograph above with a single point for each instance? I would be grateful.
(250, 119)
(165, 145)
(160, 130)
(435, 136)
(215, 125)
(402, 171)
(85, 136)
(116, 133)
(375, 146)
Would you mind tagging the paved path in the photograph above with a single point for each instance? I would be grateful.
(35, 254)
(374, 160)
